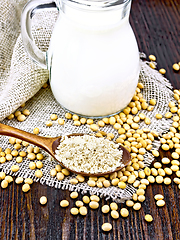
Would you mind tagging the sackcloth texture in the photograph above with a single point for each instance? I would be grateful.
(21, 81)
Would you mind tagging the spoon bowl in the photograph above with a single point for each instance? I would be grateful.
(50, 145)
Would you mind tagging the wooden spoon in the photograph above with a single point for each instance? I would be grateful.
(51, 144)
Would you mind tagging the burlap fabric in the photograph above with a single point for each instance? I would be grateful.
(21, 81)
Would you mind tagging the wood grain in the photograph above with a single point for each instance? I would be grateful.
(156, 24)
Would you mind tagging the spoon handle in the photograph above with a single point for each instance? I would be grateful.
(42, 142)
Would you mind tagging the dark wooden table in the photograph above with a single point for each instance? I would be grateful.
(156, 24)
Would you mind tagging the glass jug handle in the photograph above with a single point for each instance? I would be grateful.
(29, 10)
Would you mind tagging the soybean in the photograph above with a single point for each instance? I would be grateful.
(160, 203)
(106, 227)
(74, 195)
(74, 211)
(124, 212)
(64, 203)
(26, 187)
(43, 200)
(105, 209)
(93, 205)
(83, 211)
(114, 214)
(148, 218)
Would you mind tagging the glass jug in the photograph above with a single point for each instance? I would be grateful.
(93, 57)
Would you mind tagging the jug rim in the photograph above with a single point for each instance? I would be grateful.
(94, 4)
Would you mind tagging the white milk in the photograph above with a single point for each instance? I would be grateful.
(93, 61)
